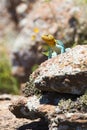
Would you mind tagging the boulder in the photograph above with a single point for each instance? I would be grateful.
(66, 73)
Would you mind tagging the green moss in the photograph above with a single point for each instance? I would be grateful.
(66, 105)
(82, 102)
(72, 106)
(8, 84)
(30, 88)
(34, 67)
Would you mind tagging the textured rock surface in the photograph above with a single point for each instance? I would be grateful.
(56, 118)
(26, 108)
(69, 121)
(32, 108)
(66, 73)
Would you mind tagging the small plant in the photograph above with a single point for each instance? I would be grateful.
(34, 67)
(30, 88)
(82, 101)
(65, 105)
(80, 104)
(8, 84)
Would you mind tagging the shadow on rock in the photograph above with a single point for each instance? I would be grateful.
(53, 98)
(37, 125)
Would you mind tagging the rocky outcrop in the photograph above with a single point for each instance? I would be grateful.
(63, 78)
(66, 73)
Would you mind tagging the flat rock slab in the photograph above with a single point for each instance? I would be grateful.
(66, 73)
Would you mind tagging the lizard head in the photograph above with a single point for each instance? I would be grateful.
(49, 39)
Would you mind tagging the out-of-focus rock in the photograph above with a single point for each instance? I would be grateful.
(5, 97)
(21, 8)
(63, 19)
(66, 73)
(24, 58)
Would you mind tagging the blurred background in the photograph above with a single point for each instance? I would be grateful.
(22, 22)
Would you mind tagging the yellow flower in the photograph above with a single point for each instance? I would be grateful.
(33, 37)
(36, 30)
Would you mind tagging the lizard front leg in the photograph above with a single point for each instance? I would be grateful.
(54, 54)
(49, 53)
(60, 45)
(61, 48)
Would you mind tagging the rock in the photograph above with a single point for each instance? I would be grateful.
(21, 8)
(31, 108)
(17, 106)
(25, 108)
(5, 97)
(35, 107)
(67, 121)
(8, 121)
(55, 117)
(66, 73)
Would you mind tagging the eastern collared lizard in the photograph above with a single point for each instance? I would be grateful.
(55, 47)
